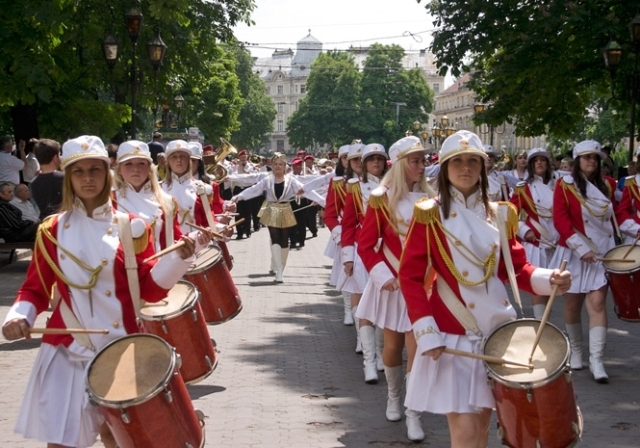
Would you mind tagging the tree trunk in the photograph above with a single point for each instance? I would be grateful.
(24, 118)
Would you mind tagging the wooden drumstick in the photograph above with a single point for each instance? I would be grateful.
(545, 316)
(66, 331)
(235, 223)
(487, 358)
(616, 260)
(204, 229)
(626, 254)
(171, 248)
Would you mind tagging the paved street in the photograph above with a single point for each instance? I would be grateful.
(288, 375)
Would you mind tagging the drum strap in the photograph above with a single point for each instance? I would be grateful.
(587, 241)
(456, 307)
(168, 223)
(206, 205)
(541, 230)
(506, 253)
(130, 261)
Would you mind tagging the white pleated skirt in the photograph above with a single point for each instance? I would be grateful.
(539, 256)
(332, 250)
(55, 407)
(358, 280)
(384, 308)
(450, 384)
(585, 277)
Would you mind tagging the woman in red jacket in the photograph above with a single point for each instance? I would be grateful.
(80, 251)
(628, 212)
(583, 212)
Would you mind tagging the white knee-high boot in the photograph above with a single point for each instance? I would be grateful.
(379, 347)
(357, 325)
(597, 342)
(575, 340)
(284, 255)
(394, 395)
(276, 253)
(368, 338)
(348, 316)
(414, 425)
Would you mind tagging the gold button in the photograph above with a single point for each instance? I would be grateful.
(458, 243)
(107, 293)
(67, 225)
(62, 256)
(115, 324)
(453, 214)
(494, 246)
(105, 262)
(465, 273)
(109, 231)
(505, 302)
(472, 305)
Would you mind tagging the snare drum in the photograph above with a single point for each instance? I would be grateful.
(536, 408)
(624, 278)
(179, 320)
(136, 384)
(219, 296)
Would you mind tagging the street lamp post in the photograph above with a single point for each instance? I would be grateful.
(179, 100)
(478, 108)
(156, 49)
(398, 110)
(441, 130)
(420, 130)
(612, 57)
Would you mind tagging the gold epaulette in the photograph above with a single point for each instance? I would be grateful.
(140, 243)
(512, 218)
(519, 188)
(630, 181)
(353, 186)
(376, 198)
(426, 211)
(47, 223)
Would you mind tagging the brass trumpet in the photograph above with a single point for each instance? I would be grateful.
(212, 163)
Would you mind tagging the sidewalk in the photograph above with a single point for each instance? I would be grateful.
(288, 376)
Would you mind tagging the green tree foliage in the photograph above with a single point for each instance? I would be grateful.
(343, 103)
(55, 80)
(537, 61)
(258, 111)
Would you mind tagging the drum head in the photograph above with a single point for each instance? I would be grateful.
(204, 259)
(619, 266)
(179, 298)
(514, 340)
(129, 368)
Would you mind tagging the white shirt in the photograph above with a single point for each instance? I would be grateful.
(31, 168)
(29, 211)
(10, 167)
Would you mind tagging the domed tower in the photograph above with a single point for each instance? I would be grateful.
(307, 50)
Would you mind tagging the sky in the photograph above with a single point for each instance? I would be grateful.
(338, 24)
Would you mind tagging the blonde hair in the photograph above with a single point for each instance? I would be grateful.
(396, 180)
(163, 198)
(69, 196)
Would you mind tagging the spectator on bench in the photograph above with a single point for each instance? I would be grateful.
(12, 227)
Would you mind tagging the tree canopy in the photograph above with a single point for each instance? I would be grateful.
(537, 62)
(56, 82)
(343, 103)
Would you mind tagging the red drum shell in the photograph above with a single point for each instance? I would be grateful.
(179, 320)
(219, 296)
(136, 383)
(624, 278)
(228, 258)
(535, 408)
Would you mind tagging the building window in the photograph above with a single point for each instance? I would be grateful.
(268, 90)
(280, 107)
(296, 88)
(436, 87)
(280, 145)
(280, 90)
(280, 125)
(303, 88)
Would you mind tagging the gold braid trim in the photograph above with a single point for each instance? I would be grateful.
(46, 232)
(632, 185)
(520, 191)
(352, 187)
(572, 188)
(356, 192)
(425, 212)
(37, 248)
(339, 190)
(512, 219)
(377, 201)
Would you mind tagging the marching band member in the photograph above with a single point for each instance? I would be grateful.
(374, 166)
(309, 167)
(380, 246)
(243, 166)
(137, 191)
(456, 238)
(498, 189)
(81, 251)
(583, 209)
(519, 170)
(533, 198)
(280, 189)
(218, 205)
(628, 213)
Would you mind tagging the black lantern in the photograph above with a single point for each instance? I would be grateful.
(110, 50)
(133, 18)
(156, 49)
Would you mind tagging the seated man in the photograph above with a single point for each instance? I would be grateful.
(21, 200)
(12, 227)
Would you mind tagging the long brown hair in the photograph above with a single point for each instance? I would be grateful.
(596, 179)
(445, 195)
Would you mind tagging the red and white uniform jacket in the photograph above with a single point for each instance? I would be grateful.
(145, 205)
(628, 213)
(334, 206)
(584, 224)
(187, 191)
(463, 253)
(71, 249)
(535, 199)
(355, 207)
(382, 235)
